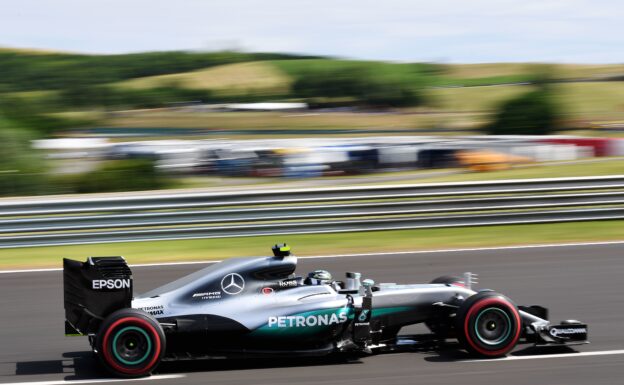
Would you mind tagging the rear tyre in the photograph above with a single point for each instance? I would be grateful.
(488, 324)
(130, 343)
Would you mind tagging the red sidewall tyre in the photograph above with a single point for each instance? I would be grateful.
(504, 317)
(130, 343)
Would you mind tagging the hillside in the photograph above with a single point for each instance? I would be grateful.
(236, 78)
(57, 86)
(457, 88)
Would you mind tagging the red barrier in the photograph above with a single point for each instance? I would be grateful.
(600, 146)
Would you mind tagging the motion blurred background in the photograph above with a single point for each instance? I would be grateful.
(112, 96)
(411, 138)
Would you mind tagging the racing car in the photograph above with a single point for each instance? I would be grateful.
(249, 307)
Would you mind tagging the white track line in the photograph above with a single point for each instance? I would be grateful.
(548, 356)
(96, 381)
(579, 244)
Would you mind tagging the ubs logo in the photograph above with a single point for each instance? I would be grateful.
(232, 284)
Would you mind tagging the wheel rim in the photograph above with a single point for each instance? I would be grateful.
(131, 345)
(492, 326)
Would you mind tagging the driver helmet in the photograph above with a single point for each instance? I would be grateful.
(319, 277)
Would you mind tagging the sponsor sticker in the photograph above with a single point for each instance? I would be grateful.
(562, 332)
(232, 284)
(153, 310)
(364, 315)
(110, 284)
(288, 283)
(299, 321)
(208, 295)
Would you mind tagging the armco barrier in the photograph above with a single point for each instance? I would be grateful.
(141, 217)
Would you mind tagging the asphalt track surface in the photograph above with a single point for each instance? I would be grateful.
(581, 282)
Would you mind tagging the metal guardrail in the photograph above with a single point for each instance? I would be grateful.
(209, 215)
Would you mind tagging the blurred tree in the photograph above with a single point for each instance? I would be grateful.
(34, 116)
(22, 169)
(21, 70)
(328, 83)
(112, 97)
(121, 175)
(389, 93)
(532, 113)
(363, 86)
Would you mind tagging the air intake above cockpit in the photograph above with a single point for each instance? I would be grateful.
(281, 250)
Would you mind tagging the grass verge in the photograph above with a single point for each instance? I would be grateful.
(318, 244)
(595, 167)
(598, 167)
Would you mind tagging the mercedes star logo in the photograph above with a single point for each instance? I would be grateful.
(232, 284)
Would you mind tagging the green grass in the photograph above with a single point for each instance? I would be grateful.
(596, 100)
(597, 167)
(238, 75)
(299, 68)
(613, 166)
(229, 79)
(320, 244)
(560, 71)
(587, 100)
(582, 104)
(481, 81)
(594, 167)
(474, 99)
(272, 120)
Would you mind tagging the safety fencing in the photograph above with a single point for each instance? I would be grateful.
(141, 217)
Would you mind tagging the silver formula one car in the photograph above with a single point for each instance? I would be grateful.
(257, 306)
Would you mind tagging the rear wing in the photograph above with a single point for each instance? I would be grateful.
(93, 290)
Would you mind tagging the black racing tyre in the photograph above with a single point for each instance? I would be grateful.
(488, 324)
(130, 343)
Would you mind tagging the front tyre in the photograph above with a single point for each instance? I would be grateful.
(488, 324)
(130, 343)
